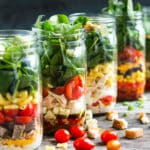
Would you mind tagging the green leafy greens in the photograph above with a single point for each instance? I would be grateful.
(16, 72)
(127, 29)
(61, 51)
(99, 48)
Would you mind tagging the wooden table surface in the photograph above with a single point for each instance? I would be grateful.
(142, 143)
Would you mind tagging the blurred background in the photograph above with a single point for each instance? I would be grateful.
(22, 14)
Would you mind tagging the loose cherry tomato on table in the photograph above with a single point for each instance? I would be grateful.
(83, 144)
(74, 88)
(108, 135)
(2, 118)
(62, 135)
(23, 119)
(77, 131)
(113, 145)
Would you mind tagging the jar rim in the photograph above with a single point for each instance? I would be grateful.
(34, 29)
(15, 32)
(136, 14)
(106, 18)
(79, 32)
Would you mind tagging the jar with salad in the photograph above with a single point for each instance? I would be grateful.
(20, 96)
(63, 62)
(101, 47)
(146, 20)
(131, 48)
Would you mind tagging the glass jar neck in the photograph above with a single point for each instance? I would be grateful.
(95, 18)
(15, 41)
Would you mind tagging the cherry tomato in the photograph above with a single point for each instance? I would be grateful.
(95, 104)
(29, 110)
(36, 110)
(107, 100)
(113, 145)
(8, 119)
(83, 143)
(45, 91)
(62, 135)
(108, 135)
(130, 53)
(11, 112)
(77, 131)
(74, 88)
(23, 119)
(59, 90)
(2, 118)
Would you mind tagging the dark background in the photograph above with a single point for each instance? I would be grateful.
(22, 14)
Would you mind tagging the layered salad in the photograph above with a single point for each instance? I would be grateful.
(63, 63)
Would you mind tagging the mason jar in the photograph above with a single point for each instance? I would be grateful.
(131, 56)
(20, 96)
(63, 63)
(101, 48)
(146, 21)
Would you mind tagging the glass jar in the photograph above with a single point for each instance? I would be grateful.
(20, 96)
(63, 63)
(146, 20)
(131, 56)
(101, 50)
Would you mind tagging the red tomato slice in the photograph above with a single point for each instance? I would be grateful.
(74, 88)
(8, 119)
(59, 90)
(95, 104)
(29, 110)
(108, 135)
(77, 131)
(2, 118)
(23, 119)
(83, 144)
(62, 136)
(45, 91)
(107, 100)
(11, 112)
(130, 53)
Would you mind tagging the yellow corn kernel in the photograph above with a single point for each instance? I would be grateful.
(22, 94)
(3, 101)
(11, 106)
(8, 96)
(25, 101)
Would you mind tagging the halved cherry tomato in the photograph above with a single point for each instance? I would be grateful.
(11, 112)
(74, 88)
(130, 53)
(107, 100)
(113, 145)
(83, 144)
(2, 118)
(108, 135)
(59, 90)
(29, 110)
(77, 131)
(23, 119)
(62, 135)
(45, 91)
(95, 104)
(8, 119)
